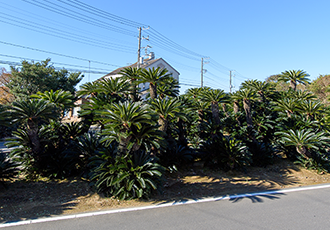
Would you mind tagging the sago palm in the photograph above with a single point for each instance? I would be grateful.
(301, 95)
(88, 89)
(122, 119)
(310, 108)
(166, 109)
(194, 92)
(262, 88)
(31, 113)
(304, 140)
(62, 99)
(294, 77)
(214, 97)
(131, 75)
(153, 77)
(168, 88)
(286, 105)
(247, 96)
(115, 87)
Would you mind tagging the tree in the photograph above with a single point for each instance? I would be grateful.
(153, 76)
(132, 74)
(89, 88)
(117, 88)
(262, 88)
(5, 95)
(304, 140)
(294, 77)
(31, 113)
(124, 120)
(320, 87)
(287, 105)
(168, 88)
(63, 100)
(310, 108)
(166, 109)
(247, 96)
(214, 97)
(40, 76)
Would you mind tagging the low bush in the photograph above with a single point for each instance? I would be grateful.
(126, 177)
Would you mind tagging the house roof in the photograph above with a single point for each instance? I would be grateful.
(146, 64)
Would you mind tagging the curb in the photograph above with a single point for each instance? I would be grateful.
(81, 215)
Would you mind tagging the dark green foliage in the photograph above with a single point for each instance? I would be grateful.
(227, 132)
(40, 76)
(263, 153)
(127, 177)
(294, 77)
(226, 153)
(60, 154)
(8, 168)
(320, 163)
(63, 100)
(176, 155)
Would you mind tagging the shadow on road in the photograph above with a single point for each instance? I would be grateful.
(196, 185)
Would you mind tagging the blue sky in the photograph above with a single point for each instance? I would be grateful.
(254, 38)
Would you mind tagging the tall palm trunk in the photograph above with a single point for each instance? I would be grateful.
(247, 109)
(163, 124)
(34, 138)
(224, 109)
(200, 119)
(122, 146)
(215, 112)
(153, 90)
(236, 107)
(262, 95)
(302, 150)
(182, 138)
(293, 85)
(134, 96)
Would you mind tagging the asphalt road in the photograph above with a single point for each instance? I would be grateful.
(295, 210)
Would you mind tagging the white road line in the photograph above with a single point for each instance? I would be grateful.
(81, 215)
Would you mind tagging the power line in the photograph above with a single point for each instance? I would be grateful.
(189, 84)
(58, 63)
(51, 21)
(158, 36)
(168, 48)
(87, 8)
(65, 35)
(161, 39)
(82, 12)
(58, 68)
(53, 53)
(173, 44)
(87, 20)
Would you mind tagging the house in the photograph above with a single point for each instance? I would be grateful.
(148, 63)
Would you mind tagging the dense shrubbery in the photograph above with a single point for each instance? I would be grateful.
(136, 141)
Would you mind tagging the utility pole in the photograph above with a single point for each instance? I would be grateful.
(203, 70)
(231, 80)
(89, 72)
(230, 86)
(139, 49)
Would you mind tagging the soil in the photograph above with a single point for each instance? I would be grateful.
(23, 200)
